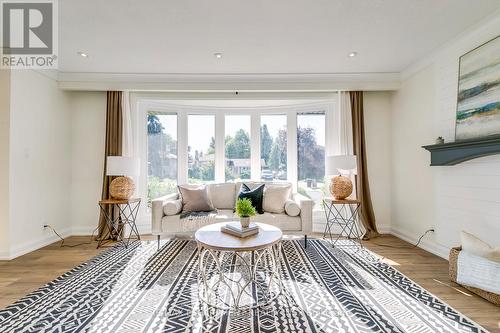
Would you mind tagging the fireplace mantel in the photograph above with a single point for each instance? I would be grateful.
(452, 153)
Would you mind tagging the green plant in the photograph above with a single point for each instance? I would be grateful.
(158, 187)
(244, 208)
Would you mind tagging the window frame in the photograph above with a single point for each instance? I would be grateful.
(251, 134)
(141, 105)
(287, 144)
(187, 140)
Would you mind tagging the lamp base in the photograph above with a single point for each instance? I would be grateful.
(122, 188)
(340, 187)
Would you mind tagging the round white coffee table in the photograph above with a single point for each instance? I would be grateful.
(238, 272)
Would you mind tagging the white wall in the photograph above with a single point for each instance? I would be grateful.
(40, 161)
(412, 184)
(377, 112)
(88, 126)
(452, 198)
(4, 163)
(52, 147)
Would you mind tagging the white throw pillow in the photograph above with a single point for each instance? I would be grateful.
(195, 199)
(275, 197)
(222, 195)
(173, 207)
(474, 245)
(292, 208)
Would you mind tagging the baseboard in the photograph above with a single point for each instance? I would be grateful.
(434, 248)
(384, 229)
(19, 250)
(30, 246)
(4, 255)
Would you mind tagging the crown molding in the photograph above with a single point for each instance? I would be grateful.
(488, 28)
(228, 82)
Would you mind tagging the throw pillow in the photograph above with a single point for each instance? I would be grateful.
(474, 245)
(195, 199)
(256, 196)
(222, 195)
(173, 207)
(292, 208)
(275, 197)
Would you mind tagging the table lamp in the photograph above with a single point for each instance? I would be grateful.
(122, 187)
(340, 186)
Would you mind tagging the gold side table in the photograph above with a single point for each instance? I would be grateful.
(344, 213)
(127, 214)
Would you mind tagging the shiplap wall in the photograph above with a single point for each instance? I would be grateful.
(468, 194)
(465, 196)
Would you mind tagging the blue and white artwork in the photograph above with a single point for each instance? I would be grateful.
(478, 105)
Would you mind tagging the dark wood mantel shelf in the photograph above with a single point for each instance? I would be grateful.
(460, 151)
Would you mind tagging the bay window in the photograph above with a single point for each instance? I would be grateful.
(311, 156)
(162, 154)
(237, 147)
(273, 146)
(201, 145)
(201, 148)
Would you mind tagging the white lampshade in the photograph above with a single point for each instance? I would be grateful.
(340, 164)
(122, 166)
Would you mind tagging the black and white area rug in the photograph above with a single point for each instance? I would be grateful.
(142, 289)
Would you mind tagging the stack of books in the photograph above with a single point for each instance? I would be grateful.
(235, 229)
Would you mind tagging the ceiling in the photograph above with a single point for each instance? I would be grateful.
(258, 36)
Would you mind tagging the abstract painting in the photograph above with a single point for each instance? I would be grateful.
(478, 104)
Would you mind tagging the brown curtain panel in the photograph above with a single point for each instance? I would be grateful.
(362, 186)
(113, 147)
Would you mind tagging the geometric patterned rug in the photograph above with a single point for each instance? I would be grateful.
(142, 289)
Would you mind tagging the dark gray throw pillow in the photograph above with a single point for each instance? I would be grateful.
(256, 196)
(195, 199)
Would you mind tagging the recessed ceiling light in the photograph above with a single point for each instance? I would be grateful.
(353, 54)
(218, 55)
(82, 54)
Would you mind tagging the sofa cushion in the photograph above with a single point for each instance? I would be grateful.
(172, 207)
(195, 199)
(174, 224)
(292, 208)
(275, 196)
(282, 221)
(222, 195)
(256, 196)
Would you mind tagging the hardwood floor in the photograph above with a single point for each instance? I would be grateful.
(22, 275)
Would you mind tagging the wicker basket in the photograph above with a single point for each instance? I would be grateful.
(493, 298)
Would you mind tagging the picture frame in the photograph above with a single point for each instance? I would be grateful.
(478, 92)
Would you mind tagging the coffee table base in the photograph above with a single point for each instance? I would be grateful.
(230, 280)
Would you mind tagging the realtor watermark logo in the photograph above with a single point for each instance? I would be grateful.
(29, 34)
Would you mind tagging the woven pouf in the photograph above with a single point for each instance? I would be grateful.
(341, 187)
(122, 188)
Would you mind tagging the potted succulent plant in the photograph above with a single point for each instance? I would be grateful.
(245, 210)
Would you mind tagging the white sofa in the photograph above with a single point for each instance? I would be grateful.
(223, 197)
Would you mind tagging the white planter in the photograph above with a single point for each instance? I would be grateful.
(245, 221)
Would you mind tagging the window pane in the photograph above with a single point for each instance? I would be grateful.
(311, 156)
(162, 154)
(273, 147)
(201, 148)
(237, 141)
